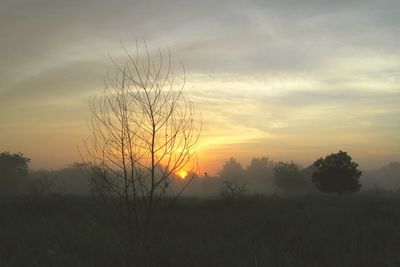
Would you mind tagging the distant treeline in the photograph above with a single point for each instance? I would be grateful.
(261, 176)
(264, 176)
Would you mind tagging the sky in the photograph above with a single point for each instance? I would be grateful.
(290, 80)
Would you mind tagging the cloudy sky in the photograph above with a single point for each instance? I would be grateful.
(288, 79)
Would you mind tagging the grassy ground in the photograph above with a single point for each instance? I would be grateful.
(304, 231)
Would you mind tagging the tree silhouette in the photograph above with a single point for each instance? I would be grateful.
(232, 191)
(287, 176)
(232, 171)
(42, 183)
(337, 173)
(13, 171)
(143, 131)
(259, 175)
(260, 168)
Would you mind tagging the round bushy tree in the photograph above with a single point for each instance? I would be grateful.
(337, 173)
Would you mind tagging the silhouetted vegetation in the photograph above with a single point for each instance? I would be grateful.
(13, 172)
(386, 178)
(288, 177)
(233, 226)
(232, 171)
(232, 191)
(255, 231)
(259, 175)
(143, 131)
(41, 183)
(337, 173)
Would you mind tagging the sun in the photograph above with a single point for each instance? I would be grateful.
(182, 174)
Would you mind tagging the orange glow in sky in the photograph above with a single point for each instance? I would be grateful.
(307, 82)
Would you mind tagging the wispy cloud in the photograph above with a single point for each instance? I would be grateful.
(294, 78)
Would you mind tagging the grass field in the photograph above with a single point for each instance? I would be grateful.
(361, 230)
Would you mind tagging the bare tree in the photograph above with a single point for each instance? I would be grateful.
(143, 131)
(232, 191)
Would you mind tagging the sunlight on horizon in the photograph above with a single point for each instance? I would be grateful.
(182, 174)
(299, 87)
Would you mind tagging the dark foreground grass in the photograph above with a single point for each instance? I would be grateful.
(305, 231)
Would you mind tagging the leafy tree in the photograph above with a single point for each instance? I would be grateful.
(287, 176)
(13, 171)
(260, 173)
(260, 168)
(232, 171)
(337, 173)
